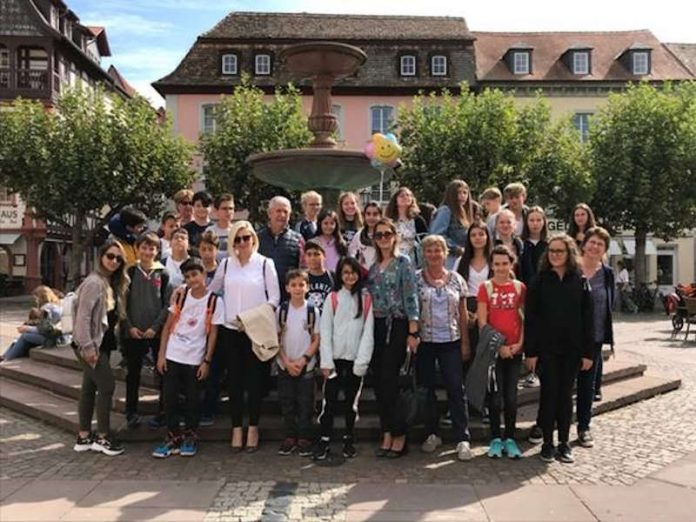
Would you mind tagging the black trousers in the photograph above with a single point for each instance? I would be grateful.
(134, 350)
(587, 387)
(507, 373)
(556, 404)
(387, 359)
(245, 373)
(296, 403)
(347, 381)
(449, 359)
(180, 379)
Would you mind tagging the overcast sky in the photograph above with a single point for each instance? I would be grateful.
(148, 38)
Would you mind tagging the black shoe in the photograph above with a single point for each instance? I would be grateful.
(107, 446)
(585, 439)
(349, 450)
(305, 448)
(564, 453)
(597, 396)
(156, 422)
(536, 436)
(322, 450)
(394, 454)
(83, 444)
(133, 420)
(547, 453)
(287, 447)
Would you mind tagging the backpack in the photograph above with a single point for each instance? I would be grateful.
(209, 309)
(518, 290)
(283, 316)
(367, 303)
(69, 308)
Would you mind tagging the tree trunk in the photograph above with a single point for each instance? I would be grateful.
(77, 252)
(641, 271)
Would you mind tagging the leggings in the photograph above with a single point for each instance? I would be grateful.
(556, 406)
(98, 385)
(350, 384)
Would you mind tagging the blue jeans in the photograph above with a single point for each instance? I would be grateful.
(20, 348)
(587, 387)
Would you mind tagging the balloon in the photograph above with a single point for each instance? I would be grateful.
(370, 150)
(390, 137)
(386, 150)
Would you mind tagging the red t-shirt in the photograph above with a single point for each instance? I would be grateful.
(503, 309)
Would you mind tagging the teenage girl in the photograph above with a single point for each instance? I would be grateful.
(330, 239)
(350, 218)
(581, 220)
(362, 247)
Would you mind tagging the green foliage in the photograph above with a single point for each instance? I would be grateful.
(486, 139)
(88, 158)
(246, 124)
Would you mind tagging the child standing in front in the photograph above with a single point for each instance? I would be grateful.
(501, 305)
(347, 342)
(321, 280)
(299, 341)
(186, 351)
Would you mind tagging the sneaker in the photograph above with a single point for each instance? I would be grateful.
(536, 436)
(107, 446)
(513, 452)
(431, 443)
(464, 451)
(133, 420)
(446, 420)
(157, 422)
(547, 453)
(321, 452)
(189, 447)
(305, 448)
(585, 439)
(83, 444)
(597, 397)
(349, 450)
(495, 450)
(206, 420)
(564, 453)
(170, 446)
(287, 447)
(531, 381)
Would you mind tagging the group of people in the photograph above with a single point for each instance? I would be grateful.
(344, 296)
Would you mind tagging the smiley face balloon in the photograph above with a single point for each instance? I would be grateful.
(386, 149)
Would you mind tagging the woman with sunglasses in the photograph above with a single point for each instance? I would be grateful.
(559, 336)
(101, 301)
(248, 280)
(392, 283)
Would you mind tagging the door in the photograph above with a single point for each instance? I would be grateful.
(666, 269)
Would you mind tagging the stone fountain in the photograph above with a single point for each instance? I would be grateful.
(322, 166)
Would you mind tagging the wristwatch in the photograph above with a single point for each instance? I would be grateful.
(414, 334)
(306, 357)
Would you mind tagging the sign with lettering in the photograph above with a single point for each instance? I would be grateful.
(556, 225)
(10, 216)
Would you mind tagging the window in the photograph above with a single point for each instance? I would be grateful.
(229, 64)
(381, 118)
(438, 65)
(641, 63)
(408, 65)
(337, 111)
(34, 58)
(68, 30)
(208, 118)
(5, 195)
(581, 62)
(4, 57)
(520, 63)
(581, 121)
(262, 64)
(55, 18)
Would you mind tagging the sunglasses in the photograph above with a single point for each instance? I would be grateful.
(186, 203)
(384, 235)
(557, 251)
(113, 257)
(242, 239)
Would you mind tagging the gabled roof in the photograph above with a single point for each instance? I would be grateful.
(304, 26)
(121, 82)
(99, 33)
(686, 53)
(548, 47)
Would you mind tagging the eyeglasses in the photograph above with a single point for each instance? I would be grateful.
(113, 257)
(186, 203)
(242, 239)
(558, 252)
(384, 235)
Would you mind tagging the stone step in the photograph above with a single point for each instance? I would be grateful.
(41, 403)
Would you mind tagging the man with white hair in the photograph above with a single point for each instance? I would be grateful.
(279, 242)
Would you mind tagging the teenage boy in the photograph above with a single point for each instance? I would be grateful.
(202, 201)
(321, 280)
(186, 351)
(492, 200)
(299, 341)
(126, 226)
(208, 248)
(515, 195)
(224, 208)
(146, 311)
(311, 206)
(179, 253)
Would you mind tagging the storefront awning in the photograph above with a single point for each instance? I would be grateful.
(8, 239)
(629, 247)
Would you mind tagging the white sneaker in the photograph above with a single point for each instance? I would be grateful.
(464, 451)
(431, 443)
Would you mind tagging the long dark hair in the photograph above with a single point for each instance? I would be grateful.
(573, 228)
(464, 214)
(469, 252)
(365, 238)
(119, 280)
(339, 242)
(544, 230)
(359, 285)
(392, 211)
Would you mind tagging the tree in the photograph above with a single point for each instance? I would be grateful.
(486, 139)
(643, 145)
(78, 165)
(245, 124)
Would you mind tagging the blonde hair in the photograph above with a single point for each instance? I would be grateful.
(234, 230)
(358, 213)
(435, 240)
(44, 295)
(183, 194)
(310, 195)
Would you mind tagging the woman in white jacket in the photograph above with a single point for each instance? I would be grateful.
(347, 341)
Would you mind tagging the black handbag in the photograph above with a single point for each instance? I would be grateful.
(412, 403)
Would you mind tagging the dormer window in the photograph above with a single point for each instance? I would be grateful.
(229, 64)
(262, 64)
(438, 65)
(640, 62)
(521, 62)
(581, 62)
(408, 65)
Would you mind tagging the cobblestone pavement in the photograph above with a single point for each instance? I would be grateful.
(631, 443)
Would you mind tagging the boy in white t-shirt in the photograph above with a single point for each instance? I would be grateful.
(186, 351)
(299, 341)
